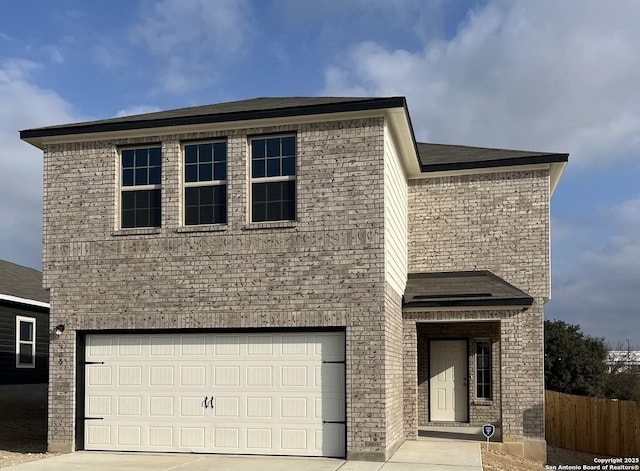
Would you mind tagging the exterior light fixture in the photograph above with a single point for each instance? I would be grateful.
(59, 329)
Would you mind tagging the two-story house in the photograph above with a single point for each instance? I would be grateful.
(293, 276)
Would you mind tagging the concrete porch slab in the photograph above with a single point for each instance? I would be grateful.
(449, 453)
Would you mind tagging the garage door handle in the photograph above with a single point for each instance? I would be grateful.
(208, 402)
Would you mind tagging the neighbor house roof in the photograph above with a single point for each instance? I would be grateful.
(462, 288)
(22, 285)
(443, 157)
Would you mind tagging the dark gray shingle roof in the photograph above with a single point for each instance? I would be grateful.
(442, 157)
(255, 108)
(432, 157)
(22, 282)
(462, 288)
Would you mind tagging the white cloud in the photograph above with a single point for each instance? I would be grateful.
(544, 75)
(23, 106)
(194, 36)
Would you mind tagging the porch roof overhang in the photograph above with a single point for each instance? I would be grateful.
(478, 288)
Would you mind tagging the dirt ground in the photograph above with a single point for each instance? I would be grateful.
(24, 439)
(495, 461)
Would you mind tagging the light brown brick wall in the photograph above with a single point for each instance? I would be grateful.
(325, 270)
(393, 367)
(497, 222)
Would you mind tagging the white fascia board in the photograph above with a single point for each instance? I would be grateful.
(28, 302)
(557, 169)
(401, 131)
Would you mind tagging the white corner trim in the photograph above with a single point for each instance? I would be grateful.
(29, 302)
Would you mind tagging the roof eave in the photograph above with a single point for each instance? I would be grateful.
(556, 171)
(401, 128)
(37, 137)
(24, 301)
(509, 162)
(506, 302)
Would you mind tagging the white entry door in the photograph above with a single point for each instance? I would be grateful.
(448, 390)
(262, 393)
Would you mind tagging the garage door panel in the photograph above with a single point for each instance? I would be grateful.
(129, 436)
(161, 406)
(161, 437)
(162, 345)
(227, 406)
(160, 376)
(130, 376)
(98, 436)
(193, 345)
(129, 345)
(193, 376)
(227, 393)
(98, 375)
(259, 376)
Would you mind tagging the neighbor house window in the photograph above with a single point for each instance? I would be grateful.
(25, 342)
(273, 178)
(483, 369)
(140, 187)
(205, 183)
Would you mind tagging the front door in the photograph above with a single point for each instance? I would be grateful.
(448, 381)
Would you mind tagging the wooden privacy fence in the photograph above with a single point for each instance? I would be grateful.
(600, 426)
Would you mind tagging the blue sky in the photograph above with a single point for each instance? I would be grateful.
(544, 75)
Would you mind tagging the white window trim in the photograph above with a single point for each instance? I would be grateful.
(279, 178)
(32, 321)
(185, 184)
(475, 368)
(120, 188)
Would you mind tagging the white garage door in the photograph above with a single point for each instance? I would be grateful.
(264, 393)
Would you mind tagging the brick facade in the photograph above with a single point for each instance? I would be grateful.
(497, 222)
(327, 269)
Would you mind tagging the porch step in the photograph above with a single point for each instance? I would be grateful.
(444, 432)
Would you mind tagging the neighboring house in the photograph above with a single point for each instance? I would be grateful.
(24, 326)
(292, 276)
(622, 360)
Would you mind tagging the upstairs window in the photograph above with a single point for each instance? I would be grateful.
(140, 187)
(205, 183)
(25, 342)
(483, 369)
(273, 179)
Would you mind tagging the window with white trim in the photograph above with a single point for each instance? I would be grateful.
(205, 183)
(483, 369)
(140, 197)
(25, 342)
(273, 178)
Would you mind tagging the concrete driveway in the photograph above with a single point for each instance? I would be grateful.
(450, 455)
